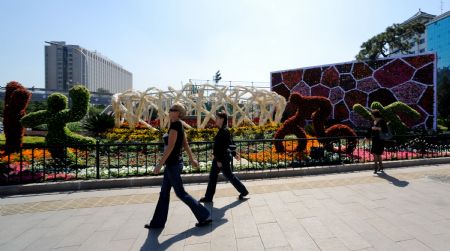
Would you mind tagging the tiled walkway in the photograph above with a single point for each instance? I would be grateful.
(402, 209)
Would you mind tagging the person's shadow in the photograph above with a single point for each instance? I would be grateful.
(152, 242)
(393, 180)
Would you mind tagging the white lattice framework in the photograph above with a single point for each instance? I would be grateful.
(201, 101)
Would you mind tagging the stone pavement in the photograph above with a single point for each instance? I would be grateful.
(404, 209)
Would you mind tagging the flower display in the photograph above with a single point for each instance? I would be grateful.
(378, 80)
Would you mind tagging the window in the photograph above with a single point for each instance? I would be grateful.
(422, 51)
(421, 41)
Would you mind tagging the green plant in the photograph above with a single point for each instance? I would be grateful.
(389, 113)
(57, 116)
(97, 122)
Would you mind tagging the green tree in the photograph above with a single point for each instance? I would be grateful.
(35, 106)
(103, 90)
(393, 40)
(443, 92)
(217, 77)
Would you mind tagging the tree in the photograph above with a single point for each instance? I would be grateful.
(443, 92)
(102, 90)
(395, 39)
(217, 77)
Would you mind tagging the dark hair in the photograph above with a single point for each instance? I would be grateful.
(224, 116)
(376, 113)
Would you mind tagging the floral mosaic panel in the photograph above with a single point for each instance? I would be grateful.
(409, 79)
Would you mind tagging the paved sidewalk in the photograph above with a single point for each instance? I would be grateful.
(404, 209)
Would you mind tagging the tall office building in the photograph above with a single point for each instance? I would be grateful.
(418, 44)
(438, 36)
(66, 65)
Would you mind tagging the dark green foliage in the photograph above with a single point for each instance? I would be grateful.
(395, 36)
(57, 116)
(98, 122)
(35, 106)
(443, 92)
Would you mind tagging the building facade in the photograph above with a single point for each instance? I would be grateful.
(67, 65)
(438, 36)
(419, 43)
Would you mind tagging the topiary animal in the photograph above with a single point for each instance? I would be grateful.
(390, 114)
(318, 109)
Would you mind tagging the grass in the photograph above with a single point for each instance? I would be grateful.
(26, 140)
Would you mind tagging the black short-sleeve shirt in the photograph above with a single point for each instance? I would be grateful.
(176, 156)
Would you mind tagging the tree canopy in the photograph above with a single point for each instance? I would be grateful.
(393, 40)
(443, 92)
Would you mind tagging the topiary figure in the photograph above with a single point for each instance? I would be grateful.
(390, 114)
(318, 109)
(57, 116)
(17, 98)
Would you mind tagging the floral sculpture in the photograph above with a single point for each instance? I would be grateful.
(57, 116)
(17, 98)
(318, 109)
(390, 114)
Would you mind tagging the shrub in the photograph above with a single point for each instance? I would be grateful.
(97, 122)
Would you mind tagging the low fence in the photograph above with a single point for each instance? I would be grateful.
(104, 161)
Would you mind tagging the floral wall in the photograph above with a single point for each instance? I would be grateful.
(410, 79)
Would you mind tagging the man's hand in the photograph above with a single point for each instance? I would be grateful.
(219, 164)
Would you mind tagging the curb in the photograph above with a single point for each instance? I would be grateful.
(203, 178)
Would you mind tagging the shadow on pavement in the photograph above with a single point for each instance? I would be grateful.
(152, 242)
(393, 180)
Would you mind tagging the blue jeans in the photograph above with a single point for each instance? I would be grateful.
(172, 178)
(226, 171)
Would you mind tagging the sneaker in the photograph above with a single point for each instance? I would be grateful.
(149, 226)
(203, 223)
(242, 195)
(205, 200)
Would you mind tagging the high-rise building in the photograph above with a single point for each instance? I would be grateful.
(438, 36)
(66, 65)
(418, 43)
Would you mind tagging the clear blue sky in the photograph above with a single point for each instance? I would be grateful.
(167, 42)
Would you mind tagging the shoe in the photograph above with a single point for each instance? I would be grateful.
(375, 171)
(203, 223)
(205, 200)
(242, 195)
(148, 226)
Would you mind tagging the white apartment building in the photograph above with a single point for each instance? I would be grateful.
(66, 65)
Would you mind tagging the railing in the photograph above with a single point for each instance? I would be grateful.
(104, 161)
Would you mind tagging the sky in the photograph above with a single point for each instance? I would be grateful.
(167, 42)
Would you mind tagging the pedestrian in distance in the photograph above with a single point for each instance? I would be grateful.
(222, 160)
(174, 142)
(379, 126)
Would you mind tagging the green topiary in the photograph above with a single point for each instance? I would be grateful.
(390, 114)
(57, 116)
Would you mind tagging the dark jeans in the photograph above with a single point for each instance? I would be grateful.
(226, 171)
(172, 178)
